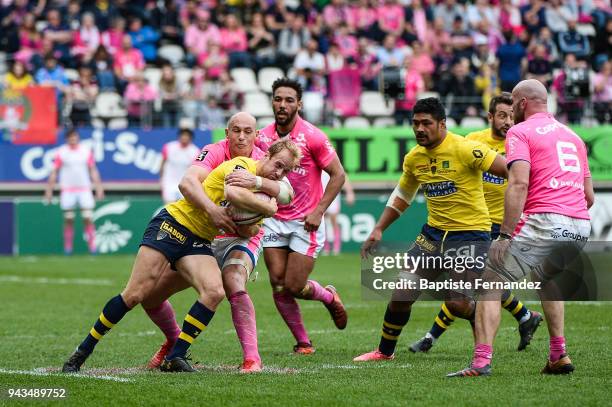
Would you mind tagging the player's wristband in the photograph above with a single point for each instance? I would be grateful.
(258, 183)
(504, 236)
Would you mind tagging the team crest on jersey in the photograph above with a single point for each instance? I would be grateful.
(172, 232)
(202, 155)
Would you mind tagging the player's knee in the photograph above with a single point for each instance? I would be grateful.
(463, 308)
(213, 295)
(234, 279)
(132, 298)
(296, 289)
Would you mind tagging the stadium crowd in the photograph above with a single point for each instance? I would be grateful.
(465, 51)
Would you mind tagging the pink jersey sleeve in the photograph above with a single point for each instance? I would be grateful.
(165, 151)
(517, 147)
(57, 161)
(322, 150)
(210, 157)
(90, 160)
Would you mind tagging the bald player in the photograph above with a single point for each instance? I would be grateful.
(549, 189)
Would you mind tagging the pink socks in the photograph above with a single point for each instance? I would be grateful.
(482, 355)
(290, 311)
(68, 237)
(243, 316)
(319, 293)
(557, 348)
(90, 233)
(163, 317)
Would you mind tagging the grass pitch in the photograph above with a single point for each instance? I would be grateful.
(50, 303)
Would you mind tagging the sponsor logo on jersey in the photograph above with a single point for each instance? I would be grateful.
(477, 153)
(492, 179)
(435, 189)
(172, 232)
(239, 167)
(272, 237)
(425, 244)
(202, 155)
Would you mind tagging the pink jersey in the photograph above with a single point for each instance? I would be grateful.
(213, 155)
(177, 160)
(73, 164)
(317, 153)
(559, 165)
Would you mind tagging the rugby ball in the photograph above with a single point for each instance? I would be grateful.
(244, 217)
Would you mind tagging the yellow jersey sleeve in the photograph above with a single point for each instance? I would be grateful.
(476, 155)
(408, 181)
(494, 187)
(198, 221)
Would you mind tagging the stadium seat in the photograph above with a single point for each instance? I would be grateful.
(109, 105)
(258, 104)
(172, 53)
(97, 123)
(245, 79)
(450, 122)
(357, 122)
(313, 106)
(264, 121)
(183, 75)
(473, 122)
(372, 103)
(267, 76)
(72, 74)
(187, 123)
(424, 95)
(383, 122)
(117, 123)
(552, 103)
(152, 75)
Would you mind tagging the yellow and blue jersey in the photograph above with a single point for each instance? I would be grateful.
(198, 221)
(450, 176)
(494, 187)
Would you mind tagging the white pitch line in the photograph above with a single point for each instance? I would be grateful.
(75, 335)
(61, 281)
(41, 372)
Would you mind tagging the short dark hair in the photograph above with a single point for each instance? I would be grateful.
(432, 106)
(70, 131)
(505, 98)
(185, 130)
(288, 83)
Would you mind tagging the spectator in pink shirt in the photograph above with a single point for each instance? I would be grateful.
(362, 18)
(368, 65)
(414, 85)
(111, 38)
(602, 94)
(419, 19)
(234, 42)
(199, 34)
(30, 41)
(214, 61)
(347, 43)
(437, 37)
(128, 62)
(139, 98)
(422, 62)
(86, 39)
(335, 13)
(391, 18)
